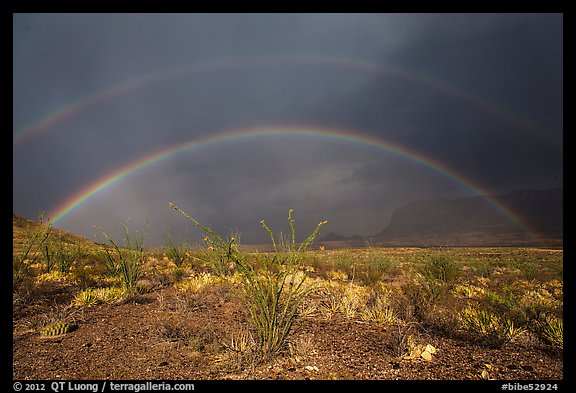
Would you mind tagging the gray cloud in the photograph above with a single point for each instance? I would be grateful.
(481, 94)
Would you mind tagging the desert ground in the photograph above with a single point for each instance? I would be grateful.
(367, 313)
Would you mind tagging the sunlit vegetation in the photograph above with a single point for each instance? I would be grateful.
(480, 296)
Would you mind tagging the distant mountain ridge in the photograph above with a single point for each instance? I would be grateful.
(472, 221)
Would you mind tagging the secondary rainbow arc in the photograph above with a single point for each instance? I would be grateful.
(139, 82)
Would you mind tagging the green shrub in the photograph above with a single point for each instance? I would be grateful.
(441, 268)
(28, 252)
(272, 294)
(176, 251)
(126, 262)
(438, 275)
(373, 269)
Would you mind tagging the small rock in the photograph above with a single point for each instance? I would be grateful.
(311, 368)
(162, 364)
(416, 351)
(430, 348)
(426, 355)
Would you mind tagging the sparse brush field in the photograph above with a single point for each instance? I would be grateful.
(87, 311)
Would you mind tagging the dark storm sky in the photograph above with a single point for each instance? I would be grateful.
(479, 93)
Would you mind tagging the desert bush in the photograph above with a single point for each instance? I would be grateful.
(415, 302)
(220, 264)
(346, 264)
(485, 269)
(57, 254)
(273, 300)
(28, 252)
(401, 339)
(126, 262)
(441, 268)
(20, 272)
(176, 251)
(273, 294)
(292, 253)
(434, 279)
(373, 268)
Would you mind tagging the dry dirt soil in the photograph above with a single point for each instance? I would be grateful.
(165, 334)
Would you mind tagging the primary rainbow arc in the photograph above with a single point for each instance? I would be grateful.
(91, 190)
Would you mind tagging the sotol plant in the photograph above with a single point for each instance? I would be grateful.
(272, 294)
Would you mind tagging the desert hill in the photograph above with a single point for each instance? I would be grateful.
(23, 229)
(471, 221)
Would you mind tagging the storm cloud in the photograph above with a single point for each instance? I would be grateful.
(480, 94)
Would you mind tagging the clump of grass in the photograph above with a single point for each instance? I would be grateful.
(467, 291)
(93, 296)
(198, 282)
(126, 262)
(489, 328)
(553, 332)
(176, 251)
(86, 297)
(240, 351)
(54, 276)
(380, 310)
(354, 298)
(273, 294)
